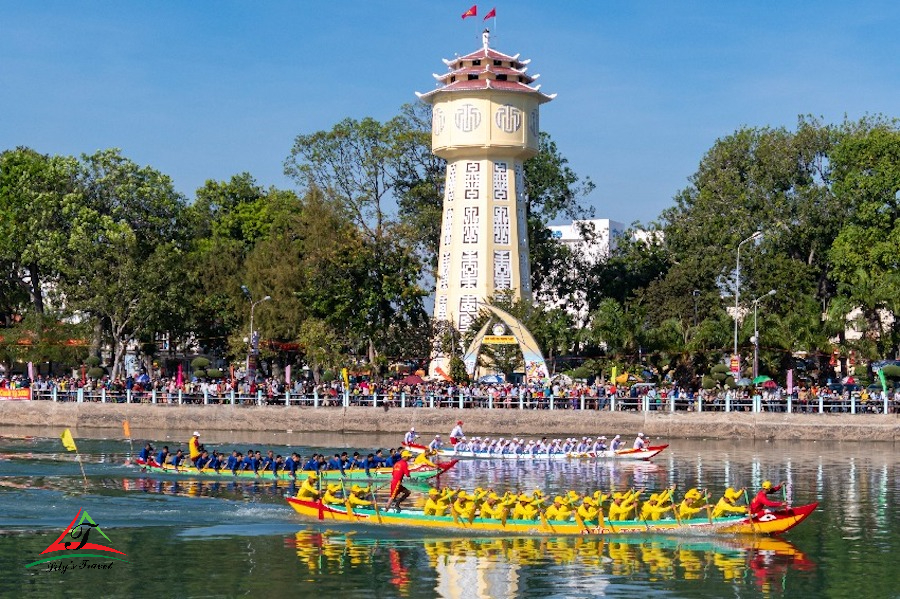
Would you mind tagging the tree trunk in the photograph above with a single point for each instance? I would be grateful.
(34, 290)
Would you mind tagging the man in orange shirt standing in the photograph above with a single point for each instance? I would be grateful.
(401, 470)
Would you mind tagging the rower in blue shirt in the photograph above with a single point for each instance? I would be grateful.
(292, 464)
(268, 462)
(392, 459)
(379, 459)
(177, 459)
(162, 456)
(234, 461)
(356, 461)
(202, 461)
(277, 464)
(368, 463)
(312, 463)
(249, 463)
(146, 454)
(336, 464)
(215, 461)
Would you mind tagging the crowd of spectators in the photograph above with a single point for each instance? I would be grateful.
(557, 394)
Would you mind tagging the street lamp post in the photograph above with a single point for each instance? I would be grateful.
(253, 341)
(737, 287)
(755, 339)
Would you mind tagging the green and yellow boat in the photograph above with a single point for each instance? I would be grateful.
(416, 472)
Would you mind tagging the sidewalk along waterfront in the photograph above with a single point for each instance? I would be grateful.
(532, 422)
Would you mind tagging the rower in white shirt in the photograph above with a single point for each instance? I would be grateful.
(411, 436)
(639, 442)
(457, 433)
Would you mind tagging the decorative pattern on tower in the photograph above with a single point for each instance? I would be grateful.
(485, 124)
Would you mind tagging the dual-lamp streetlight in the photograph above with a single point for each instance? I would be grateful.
(737, 287)
(252, 348)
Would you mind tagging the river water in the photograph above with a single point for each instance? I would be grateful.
(189, 538)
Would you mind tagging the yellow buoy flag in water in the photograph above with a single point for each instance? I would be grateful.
(127, 428)
(67, 440)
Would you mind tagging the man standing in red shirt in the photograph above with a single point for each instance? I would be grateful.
(401, 469)
(760, 502)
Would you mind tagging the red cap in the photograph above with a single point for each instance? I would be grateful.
(459, 422)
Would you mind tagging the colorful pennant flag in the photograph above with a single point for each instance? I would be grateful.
(472, 12)
(67, 440)
(882, 379)
(491, 15)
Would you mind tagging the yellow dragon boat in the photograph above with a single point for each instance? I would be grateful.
(765, 523)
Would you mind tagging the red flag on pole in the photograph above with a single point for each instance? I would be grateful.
(491, 14)
(472, 12)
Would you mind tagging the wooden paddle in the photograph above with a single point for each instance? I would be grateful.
(347, 500)
(640, 513)
(708, 510)
(544, 522)
(600, 519)
(749, 515)
(375, 505)
(579, 521)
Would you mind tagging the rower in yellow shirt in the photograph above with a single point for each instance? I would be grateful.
(357, 497)
(588, 510)
(727, 505)
(493, 507)
(331, 495)
(561, 510)
(622, 506)
(431, 504)
(652, 510)
(308, 490)
(464, 505)
(423, 459)
(691, 504)
(525, 508)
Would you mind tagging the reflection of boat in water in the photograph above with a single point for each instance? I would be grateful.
(493, 567)
(622, 454)
(767, 523)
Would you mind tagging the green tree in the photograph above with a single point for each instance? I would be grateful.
(866, 253)
(125, 252)
(38, 195)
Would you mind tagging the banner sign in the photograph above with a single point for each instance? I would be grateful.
(735, 366)
(500, 340)
(14, 394)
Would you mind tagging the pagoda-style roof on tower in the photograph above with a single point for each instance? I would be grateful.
(486, 69)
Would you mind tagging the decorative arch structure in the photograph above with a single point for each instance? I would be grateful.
(535, 366)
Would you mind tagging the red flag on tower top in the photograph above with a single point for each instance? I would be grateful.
(472, 12)
(491, 15)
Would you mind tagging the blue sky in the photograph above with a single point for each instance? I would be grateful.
(204, 90)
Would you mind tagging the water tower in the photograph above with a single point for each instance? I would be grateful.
(485, 124)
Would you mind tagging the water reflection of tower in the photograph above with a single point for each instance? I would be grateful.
(485, 124)
(471, 576)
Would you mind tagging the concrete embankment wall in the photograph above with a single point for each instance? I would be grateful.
(532, 423)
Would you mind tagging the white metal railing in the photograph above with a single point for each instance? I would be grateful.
(756, 403)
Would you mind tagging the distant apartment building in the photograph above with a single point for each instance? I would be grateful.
(594, 239)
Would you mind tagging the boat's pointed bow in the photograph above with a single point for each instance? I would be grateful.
(444, 466)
